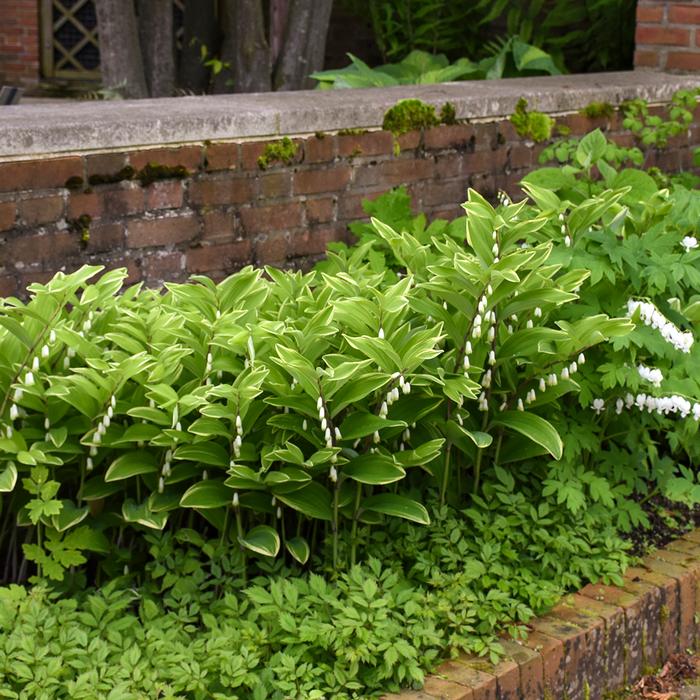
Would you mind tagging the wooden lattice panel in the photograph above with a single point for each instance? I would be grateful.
(70, 44)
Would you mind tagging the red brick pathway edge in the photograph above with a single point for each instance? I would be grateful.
(593, 642)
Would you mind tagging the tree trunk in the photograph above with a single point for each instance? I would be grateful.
(245, 49)
(156, 35)
(304, 43)
(200, 25)
(278, 22)
(120, 53)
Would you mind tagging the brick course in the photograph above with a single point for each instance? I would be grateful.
(592, 642)
(228, 212)
(666, 35)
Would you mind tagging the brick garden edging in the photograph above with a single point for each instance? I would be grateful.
(592, 642)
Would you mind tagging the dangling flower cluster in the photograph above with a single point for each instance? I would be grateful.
(567, 237)
(496, 248)
(483, 316)
(105, 422)
(325, 427)
(503, 198)
(689, 243)
(238, 440)
(652, 317)
(651, 374)
(552, 379)
(208, 368)
(662, 405)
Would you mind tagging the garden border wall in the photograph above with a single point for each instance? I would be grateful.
(592, 642)
(66, 199)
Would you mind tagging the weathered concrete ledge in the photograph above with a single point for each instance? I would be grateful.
(30, 130)
(593, 642)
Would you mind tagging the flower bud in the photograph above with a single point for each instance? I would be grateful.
(93, 451)
(52, 336)
(47, 423)
(89, 466)
(407, 388)
(19, 393)
(543, 385)
(66, 362)
(529, 323)
(29, 379)
(338, 436)
(319, 403)
(161, 485)
(581, 359)
(381, 333)
(468, 348)
(14, 412)
(333, 474)
(70, 351)
(235, 500)
(521, 407)
(538, 312)
(45, 351)
(492, 357)
(304, 425)
(324, 424)
(205, 475)
(376, 438)
(491, 335)
(465, 362)
(279, 512)
(567, 241)
(565, 373)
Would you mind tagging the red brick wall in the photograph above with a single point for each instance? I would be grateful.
(19, 42)
(228, 212)
(668, 35)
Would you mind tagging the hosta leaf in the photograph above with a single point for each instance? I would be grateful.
(132, 464)
(398, 507)
(207, 494)
(262, 540)
(533, 427)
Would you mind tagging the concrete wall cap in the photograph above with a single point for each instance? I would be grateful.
(80, 127)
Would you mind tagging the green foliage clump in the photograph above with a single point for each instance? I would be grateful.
(531, 124)
(448, 114)
(654, 130)
(282, 151)
(508, 58)
(595, 110)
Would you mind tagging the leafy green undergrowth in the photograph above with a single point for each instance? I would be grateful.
(189, 627)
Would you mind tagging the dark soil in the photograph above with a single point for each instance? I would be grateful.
(668, 520)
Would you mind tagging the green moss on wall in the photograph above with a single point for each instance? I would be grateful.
(283, 151)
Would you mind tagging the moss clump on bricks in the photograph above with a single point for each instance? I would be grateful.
(352, 132)
(448, 114)
(533, 125)
(320, 135)
(152, 172)
(81, 226)
(409, 115)
(283, 151)
(74, 183)
(594, 110)
(126, 173)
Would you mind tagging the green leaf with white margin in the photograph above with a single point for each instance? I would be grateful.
(205, 452)
(361, 424)
(140, 513)
(131, 464)
(313, 500)
(533, 427)
(69, 516)
(398, 507)
(422, 455)
(374, 469)
(8, 478)
(298, 547)
(262, 540)
(207, 494)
